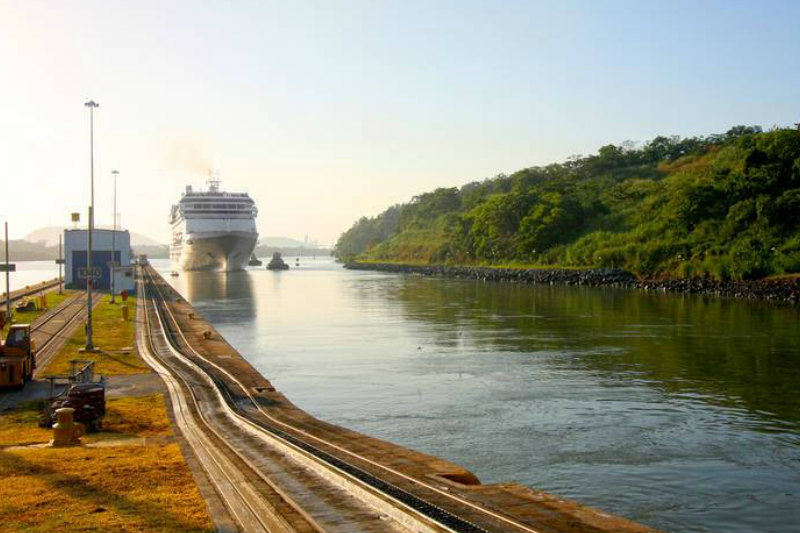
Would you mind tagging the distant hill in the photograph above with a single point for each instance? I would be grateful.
(723, 206)
(290, 247)
(20, 250)
(159, 251)
(42, 244)
(286, 242)
(263, 251)
(50, 235)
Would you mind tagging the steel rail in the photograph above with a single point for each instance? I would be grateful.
(230, 489)
(400, 495)
(39, 322)
(245, 498)
(42, 352)
(272, 435)
(42, 320)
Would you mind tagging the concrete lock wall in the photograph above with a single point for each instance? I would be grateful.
(75, 244)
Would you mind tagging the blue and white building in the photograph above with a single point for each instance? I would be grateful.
(75, 259)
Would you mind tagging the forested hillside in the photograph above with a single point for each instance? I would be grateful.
(21, 250)
(723, 206)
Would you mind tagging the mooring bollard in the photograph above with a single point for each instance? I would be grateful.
(65, 431)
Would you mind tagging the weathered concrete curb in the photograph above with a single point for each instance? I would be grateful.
(777, 290)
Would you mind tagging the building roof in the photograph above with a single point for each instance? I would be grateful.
(96, 230)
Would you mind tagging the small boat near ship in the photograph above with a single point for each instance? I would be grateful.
(277, 263)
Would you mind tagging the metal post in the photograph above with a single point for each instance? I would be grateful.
(91, 104)
(8, 282)
(114, 241)
(60, 265)
(89, 282)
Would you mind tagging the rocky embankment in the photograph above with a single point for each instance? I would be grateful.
(780, 290)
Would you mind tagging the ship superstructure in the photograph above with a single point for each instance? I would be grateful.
(213, 229)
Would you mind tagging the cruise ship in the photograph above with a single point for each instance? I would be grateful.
(213, 229)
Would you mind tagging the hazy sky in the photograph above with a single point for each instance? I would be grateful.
(327, 111)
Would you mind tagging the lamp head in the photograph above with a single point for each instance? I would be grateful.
(91, 103)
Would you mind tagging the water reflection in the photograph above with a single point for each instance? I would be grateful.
(681, 413)
(207, 290)
(737, 354)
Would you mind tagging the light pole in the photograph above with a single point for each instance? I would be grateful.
(114, 173)
(8, 283)
(92, 105)
(60, 265)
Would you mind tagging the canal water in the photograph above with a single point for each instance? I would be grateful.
(29, 273)
(679, 412)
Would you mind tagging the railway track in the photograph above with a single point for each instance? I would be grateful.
(244, 502)
(397, 495)
(43, 320)
(50, 331)
(258, 485)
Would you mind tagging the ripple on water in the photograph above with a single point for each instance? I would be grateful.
(678, 412)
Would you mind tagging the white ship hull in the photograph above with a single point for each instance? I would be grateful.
(213, 229)
(214, 250)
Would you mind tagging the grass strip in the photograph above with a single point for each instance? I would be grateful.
(113, 335)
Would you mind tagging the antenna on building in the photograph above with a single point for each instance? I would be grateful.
(213, 181)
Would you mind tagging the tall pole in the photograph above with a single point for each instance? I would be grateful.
(60, 265)
(115, 173)
(89, 282)
(8, 282)
(91, 104)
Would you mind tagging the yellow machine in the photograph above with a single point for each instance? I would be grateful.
(17, 356)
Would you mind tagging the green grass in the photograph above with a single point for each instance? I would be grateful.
(115, 338)
(140, 416)
(27, 317)
(123, 488)
(147, 489)
(482, 264)
(529, 266)
(83, 489)
(401, 262)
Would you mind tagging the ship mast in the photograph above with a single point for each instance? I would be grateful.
(213, 181)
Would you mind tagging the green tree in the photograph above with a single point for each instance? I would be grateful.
(553, 219)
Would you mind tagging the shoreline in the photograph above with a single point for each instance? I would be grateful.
(376, 456)
(782, 290)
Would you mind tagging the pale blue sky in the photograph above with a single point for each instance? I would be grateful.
(326, 111)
